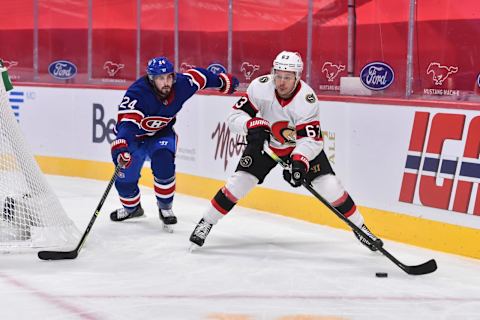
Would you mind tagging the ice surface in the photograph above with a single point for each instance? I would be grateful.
(254, 265)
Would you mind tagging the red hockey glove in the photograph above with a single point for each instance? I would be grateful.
(295, 176)
(229, 83)
(120, 153)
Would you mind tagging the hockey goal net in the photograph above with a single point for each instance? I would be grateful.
(31, 216)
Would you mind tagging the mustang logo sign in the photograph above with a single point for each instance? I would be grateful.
(440, 73)
(331, 70)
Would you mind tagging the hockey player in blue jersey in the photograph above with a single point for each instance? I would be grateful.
(144, 128)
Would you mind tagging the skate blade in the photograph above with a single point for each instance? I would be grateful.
(193, 247)
(168, 228)
(130, 219)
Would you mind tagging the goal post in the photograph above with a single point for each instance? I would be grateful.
(31, 216)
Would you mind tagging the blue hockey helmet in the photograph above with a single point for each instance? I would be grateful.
(158, 66)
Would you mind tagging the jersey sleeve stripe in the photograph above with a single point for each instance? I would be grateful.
(197, 77)
(247, 106)
(309, 130)
(301, 126)
(131, 111)
(252, 104)
(130, 116)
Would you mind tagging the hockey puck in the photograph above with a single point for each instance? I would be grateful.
(381, 275)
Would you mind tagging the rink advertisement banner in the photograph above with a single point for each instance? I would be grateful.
(421, 162)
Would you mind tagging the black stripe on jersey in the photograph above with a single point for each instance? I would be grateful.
(244, 104)
(223, 201)
(346, 206)
(310, 130)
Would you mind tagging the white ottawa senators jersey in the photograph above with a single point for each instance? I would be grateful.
(295, 122)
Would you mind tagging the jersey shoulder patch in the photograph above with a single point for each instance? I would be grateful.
(310, 98)
(263, 79)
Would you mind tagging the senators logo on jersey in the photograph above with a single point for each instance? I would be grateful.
(263, 79)
(310, 98)
(283, 133)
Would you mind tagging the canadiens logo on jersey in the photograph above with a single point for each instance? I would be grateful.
(153, 124)
(150, 124)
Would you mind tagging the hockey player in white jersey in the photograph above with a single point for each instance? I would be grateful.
(282, 109)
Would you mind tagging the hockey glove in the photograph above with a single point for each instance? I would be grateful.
(229, 83)
(258, 131)
(120, 153)
(295, 175)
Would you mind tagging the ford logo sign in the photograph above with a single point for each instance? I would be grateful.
(62, 69)
(478, 80)
(377, 76)
(216, 68)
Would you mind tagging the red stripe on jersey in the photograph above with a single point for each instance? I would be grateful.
(198, 77)
(163, 191)
(218, 207)
(340, 200)
(229, 195)
(282, 152)
(130, 116)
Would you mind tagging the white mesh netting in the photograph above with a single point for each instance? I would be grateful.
(31, 216)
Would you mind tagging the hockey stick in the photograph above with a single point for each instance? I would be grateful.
(61, 255)
(424, 268)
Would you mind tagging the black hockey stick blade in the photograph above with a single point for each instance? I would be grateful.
(416, 270)
(63, 255)
(424, 268)
(57, 255)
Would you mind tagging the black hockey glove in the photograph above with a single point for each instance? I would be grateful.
(258, 132)
(295, 175)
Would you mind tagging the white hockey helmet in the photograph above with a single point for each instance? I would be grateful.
(289, 61)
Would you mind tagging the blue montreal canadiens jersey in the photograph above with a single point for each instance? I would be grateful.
(142, 113)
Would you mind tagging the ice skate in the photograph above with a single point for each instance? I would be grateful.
(368, 242)
(168, 219)
(199, 234)
(122, 214)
